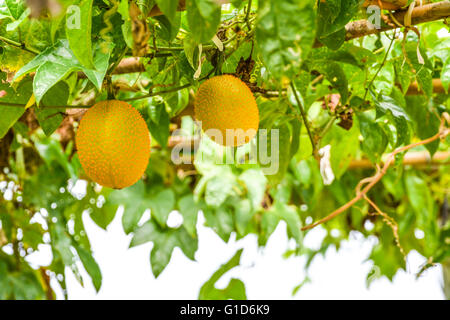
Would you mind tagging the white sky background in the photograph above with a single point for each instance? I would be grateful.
(266, 274)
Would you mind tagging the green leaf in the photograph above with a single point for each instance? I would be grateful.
(161, 254)
(158, 123)
(445, 74)
(50, 119)
(425, 80)
(78, 31)
(374, 139)
(219, 187)
(335, 40)
(269, 223)
(423, 205)
(285, 34)
(334, 74)
(169, 8)
(290, 215)
(220, 220)
(189, 210)
(20, 93)
(164, 241)
(135, 200)
(161, 205)
(234, 290)
(126, 27)
(204, 18)
(14, 25)
(105, 215)
(243, 214)
(394, 108)
(275, 159)
(344, 145)
(256, 182)
(333, 15)
(168, 30)
(426, 123)
(57, 62)
(15, 8)
(91, 267)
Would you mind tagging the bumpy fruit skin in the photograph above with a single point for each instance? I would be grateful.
(225, 102)
(113, 144)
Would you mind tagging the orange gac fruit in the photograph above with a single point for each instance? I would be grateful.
(113, 144)
(227, 110)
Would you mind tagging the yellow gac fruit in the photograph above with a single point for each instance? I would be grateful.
(113, 144)
(227, 110)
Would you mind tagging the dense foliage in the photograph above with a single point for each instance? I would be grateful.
(363, 96)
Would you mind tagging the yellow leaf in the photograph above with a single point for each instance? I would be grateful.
(30, 102)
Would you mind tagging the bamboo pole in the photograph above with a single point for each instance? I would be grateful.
(422, 14)
(391, 4)
(421, 158)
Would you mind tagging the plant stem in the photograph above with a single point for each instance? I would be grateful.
(303, 113)
(379, 69)
(18, 45)
(247, 15)
(372, 181)
(152, 94)
(20, 105)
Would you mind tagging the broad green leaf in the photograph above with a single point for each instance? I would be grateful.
(275, 156)
(220, 220)
(19, 93)
(445, 74)
(335, 40)
(126, 27)
(285, 33)
(334, 74)
(374, 139)
(15, 8)
(204, 19)
(25, 286)
(14, 25)
(425, 81)
(425, 121)
(255, 182)
(91, 267)
(394, 108)
(78, 31)
(158, 123)
(135, 201)
(344, 145)
(164, 241)
(57, 62)
(169, 8)
(333, 15)
(189, 209)
(269, 223)
(161, 205)
(50, 119)
(169, 30)
(235, 288)
(244, 212)
(290, 215)
(423, 205)
(219, 187)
